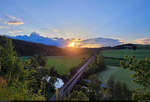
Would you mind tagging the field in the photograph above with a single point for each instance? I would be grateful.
(139, 53)
(113, 65)
(112, 62)
(63, 64)
(119, 74)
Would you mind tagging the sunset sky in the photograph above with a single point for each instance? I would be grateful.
(127, 20)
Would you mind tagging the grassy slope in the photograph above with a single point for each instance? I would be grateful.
(114, 69)
(63, 64)
(112, 62)
(119, 74)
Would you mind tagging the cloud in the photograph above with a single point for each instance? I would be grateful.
(3, 27)
(3, 21)
(16, 31)
(55, 30)
(15, 22)
(37, 38)
(142, 41)
(100, 42)
(11, 20)
(12, 17)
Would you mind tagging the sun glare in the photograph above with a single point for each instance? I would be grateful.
(72, 44)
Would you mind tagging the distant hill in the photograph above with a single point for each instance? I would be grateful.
(129, 46)
(24, 48)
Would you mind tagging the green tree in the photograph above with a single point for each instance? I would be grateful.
(11, 65)
(141, 75)
(13, 75)
(53, 72)
(77, 96)
(110, 84)
(94, 87)
(41, 60)
(96, 66)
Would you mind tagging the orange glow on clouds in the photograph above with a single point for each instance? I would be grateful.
(90, 46)
(77, 43)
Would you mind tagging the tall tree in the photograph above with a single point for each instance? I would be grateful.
(110, 84)
(94, 87)
(11, 65)
(77, 96)
(141, 75)
(117, 91)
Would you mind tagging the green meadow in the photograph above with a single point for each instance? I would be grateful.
(113, 65)
(63, 64)
(119, 74)
(139, 53)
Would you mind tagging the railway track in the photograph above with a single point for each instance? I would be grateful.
(66, 89)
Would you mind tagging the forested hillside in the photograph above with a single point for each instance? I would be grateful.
(24, 48)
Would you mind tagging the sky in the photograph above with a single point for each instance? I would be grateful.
(127, 20)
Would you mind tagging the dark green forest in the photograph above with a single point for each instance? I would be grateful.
(24, 48)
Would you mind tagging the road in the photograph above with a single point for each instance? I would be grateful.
(72, 81)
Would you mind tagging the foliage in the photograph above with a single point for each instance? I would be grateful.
(110, 84)
(97, 66)
(21, 80)
(77, 96)
(121, 92)
(8, 60)
(141, 75)
(94, 87)
(53, 72)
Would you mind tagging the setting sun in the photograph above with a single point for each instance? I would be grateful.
(72, 44)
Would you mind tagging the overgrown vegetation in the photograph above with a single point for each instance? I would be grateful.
(96, 66)
(22, 79)
(141, 75)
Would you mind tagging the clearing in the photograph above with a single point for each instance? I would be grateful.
(63, 64)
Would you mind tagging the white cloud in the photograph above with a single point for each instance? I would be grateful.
(12, 17)
(11, 20)
(14, 22)
(16, 31)
(142, 41)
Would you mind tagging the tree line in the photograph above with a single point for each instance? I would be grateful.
(24, 79)
(24, 48)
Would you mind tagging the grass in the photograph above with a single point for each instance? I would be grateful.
(63, 64)
(139, 53)
(113, 65)
(119, 74)
(112, 62)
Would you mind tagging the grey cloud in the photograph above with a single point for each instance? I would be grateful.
(102, 42)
